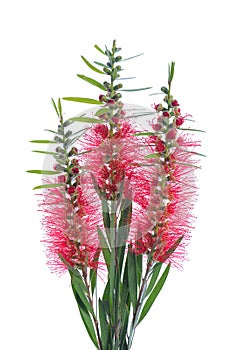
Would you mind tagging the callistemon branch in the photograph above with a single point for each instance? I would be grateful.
(119, 203)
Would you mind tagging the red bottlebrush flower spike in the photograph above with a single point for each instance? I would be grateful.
(70, 229)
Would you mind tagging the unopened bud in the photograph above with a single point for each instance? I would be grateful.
(118, 58)
(59, 150)
(68, 133)
(107, 70)
(102, 98)
(73, 151)
(119, 86)
(71, 190)
(164, 89)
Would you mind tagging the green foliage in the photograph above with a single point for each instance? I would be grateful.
(95, 69)
(83, 100)
(153, 295)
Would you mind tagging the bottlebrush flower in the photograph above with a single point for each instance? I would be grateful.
(173, 218)
(70, 227)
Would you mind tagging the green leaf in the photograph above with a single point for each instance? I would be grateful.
(155, 274)
(54, 132)
(48, 186)
(103, 323)
(42, 141)
(105, 247)
(192, 152)
(81, 289)
(54, 105)
(139, 262)
(59, 106)
(101, 64)
(87, 120)
(100, 50)
(144, 133)
(86, 318)
(130, 58)
(132, 90)
(132, 277)
(93, 279)
(126, 78)
(95, 69)
(152, 155)
(43, 172)
(92, 82)
(45, 152)
(154, 293)
(188, 129)
(83, 100)
(102, 111)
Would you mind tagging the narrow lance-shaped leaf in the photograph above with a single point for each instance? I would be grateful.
(130, 58)
(83, 100)
(92, 82)
(103, 323)
(98, 48)
(95, 69)
(59, 107)
(80, 288)
(48, 186)
(43, 172)
(54, 105)
(132, 278)
(86, 318)
(154, 293)
(93, 280)
(102, 111)
(42, 141)
(154, 276)
(46, 152)
(100, 64)
(189, 129)
(104, 245)
(87, 120)
(132, 90)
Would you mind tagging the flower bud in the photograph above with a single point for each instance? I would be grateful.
(119, 86)
(58, 167)
(60, 130)
(68, 133)
(102, 98)
(75, 170)
(61, 178)
(160, 146)
(118, 68)
(71, 190)
(179, 121)
(58, 139)
(171, 134)
(118, 58)
(59, 150)
(166, 114)
(107, 70)
(164, 90)
(73, 151)
(175, 103)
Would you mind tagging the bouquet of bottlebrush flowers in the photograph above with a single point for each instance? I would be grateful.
(116, 201)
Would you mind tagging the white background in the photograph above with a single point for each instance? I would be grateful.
(41, 44)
